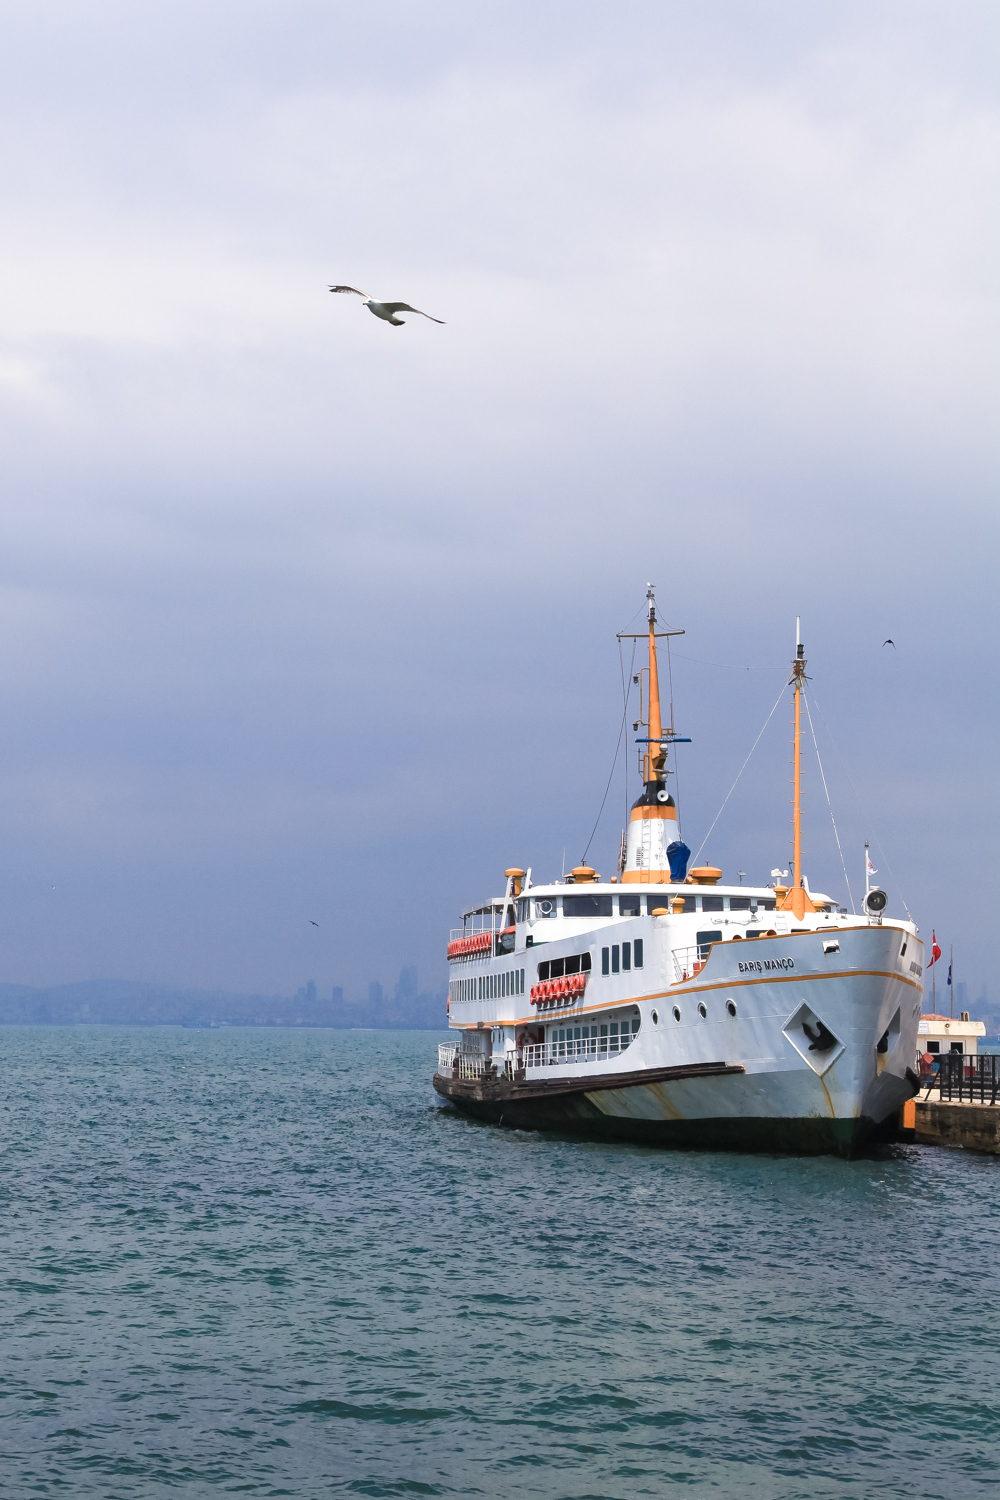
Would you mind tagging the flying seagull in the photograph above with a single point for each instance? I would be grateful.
(889, 642)
(386, 310)
(312, 923)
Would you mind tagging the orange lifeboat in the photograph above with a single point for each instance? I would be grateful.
(469, 947)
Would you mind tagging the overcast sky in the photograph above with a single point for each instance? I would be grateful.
(308, 618)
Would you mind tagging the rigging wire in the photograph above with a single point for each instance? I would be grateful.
(625, 695)
(822, 773)
(621, 731)
(864, 810)
(739, 774)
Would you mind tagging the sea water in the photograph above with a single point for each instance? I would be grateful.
(272, 1263)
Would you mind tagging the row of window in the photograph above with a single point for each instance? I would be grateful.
(488, 986)
(702, 1011)
(633, 904)
(621, 957)
(935, 1047)
(555, 968)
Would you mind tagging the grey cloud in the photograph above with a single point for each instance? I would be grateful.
(300, 611)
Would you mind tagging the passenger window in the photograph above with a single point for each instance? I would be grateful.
(543, 970)
(615, 959)
(585, 962)
(605, 960)
(637, 952)
(704, 941)
(573, 964)
(690, 902)
(545, 906)
(587, 906)
(711, 903)
(557, 968)
(630, 906)
(626, 957)
(739, 903)
(766, 904)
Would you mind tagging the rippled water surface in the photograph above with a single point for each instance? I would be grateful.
(268, 1263)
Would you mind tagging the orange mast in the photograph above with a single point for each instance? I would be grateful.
(652, 821)
(656, 755)
(797, 899)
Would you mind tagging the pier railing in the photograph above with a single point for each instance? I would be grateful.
(962, 1078)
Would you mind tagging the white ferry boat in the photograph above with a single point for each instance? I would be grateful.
(666, 1006)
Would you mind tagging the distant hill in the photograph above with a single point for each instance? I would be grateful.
(121, 1002)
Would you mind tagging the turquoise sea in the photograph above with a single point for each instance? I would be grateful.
(270, 1263)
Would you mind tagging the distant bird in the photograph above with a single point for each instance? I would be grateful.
(312, 923)
(386, 310)
(889, 642)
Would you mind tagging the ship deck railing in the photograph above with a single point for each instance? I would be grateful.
(689, 961)
(472, 1066)
(473, 927)
(467, 1065)
(575, 1050)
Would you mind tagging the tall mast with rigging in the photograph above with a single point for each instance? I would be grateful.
(656, 755)
(797, 898)
(654, 851)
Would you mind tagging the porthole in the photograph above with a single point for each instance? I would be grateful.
(654, 1018)
(731, 1007)
(701, 1009)
(677, 1012)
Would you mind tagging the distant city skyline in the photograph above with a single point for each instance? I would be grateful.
(123, 1002)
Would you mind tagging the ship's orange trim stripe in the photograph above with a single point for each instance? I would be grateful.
(684, 989)
(729, 984)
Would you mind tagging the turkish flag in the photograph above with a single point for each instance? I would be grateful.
(935, 950)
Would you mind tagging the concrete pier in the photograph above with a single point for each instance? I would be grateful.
(973, 1127)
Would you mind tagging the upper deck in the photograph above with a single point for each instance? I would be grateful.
(542, 951)
(547, 913)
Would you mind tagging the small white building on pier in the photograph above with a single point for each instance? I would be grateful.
(937, 1034)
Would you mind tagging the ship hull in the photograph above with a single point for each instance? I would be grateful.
(652, 1113)
(788, 1043)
